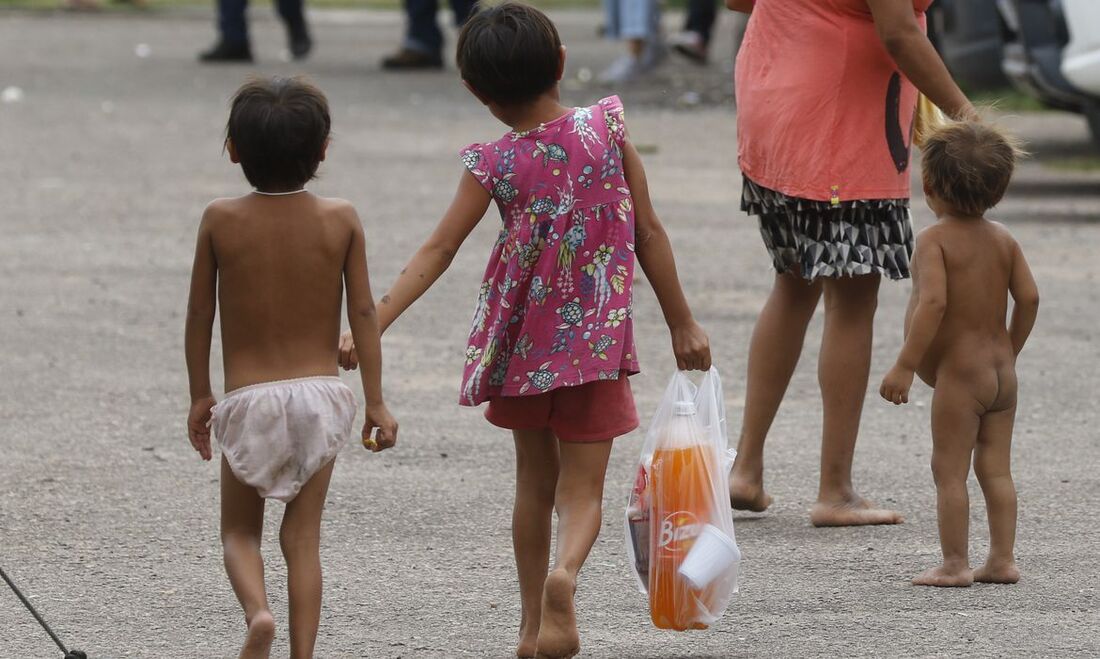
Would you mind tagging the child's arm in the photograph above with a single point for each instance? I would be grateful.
(363, 320)
(1025, 298)
(932, 302)
(689, 342)
(201, 306)
(432, 259)
(743, 6)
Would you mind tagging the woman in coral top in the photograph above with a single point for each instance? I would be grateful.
(826, 93)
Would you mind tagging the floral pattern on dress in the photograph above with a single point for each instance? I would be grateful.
(555, 306)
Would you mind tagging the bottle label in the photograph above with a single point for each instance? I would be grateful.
(678, 532)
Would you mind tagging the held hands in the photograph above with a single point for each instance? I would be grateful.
(348, 358)
(691, 346)
(379, 417)
(896, 384)
(198, 425)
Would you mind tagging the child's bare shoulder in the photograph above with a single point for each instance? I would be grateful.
(931, 236)
(222, 209)
(338, 210)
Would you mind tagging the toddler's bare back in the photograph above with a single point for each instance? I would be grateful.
(280, 267)
(973, 341)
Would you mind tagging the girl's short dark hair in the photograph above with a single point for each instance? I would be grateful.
(279, 127)
(509, 53)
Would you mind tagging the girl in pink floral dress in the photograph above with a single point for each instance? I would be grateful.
(552, 339)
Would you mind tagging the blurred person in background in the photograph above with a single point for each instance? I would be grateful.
(233, 44)
(423, 45)
(638, 24)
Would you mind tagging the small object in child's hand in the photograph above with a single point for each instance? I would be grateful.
(370, 444)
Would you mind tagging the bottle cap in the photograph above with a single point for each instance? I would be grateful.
(684, 408)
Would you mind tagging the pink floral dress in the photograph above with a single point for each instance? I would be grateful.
(555, 305)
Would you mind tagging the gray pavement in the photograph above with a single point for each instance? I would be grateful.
(109, 520)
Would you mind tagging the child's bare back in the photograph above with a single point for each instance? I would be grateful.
(281, 264)
(965, 268)
(277, 261)
(972, 348)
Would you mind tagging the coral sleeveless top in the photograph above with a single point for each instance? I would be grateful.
(823, 111)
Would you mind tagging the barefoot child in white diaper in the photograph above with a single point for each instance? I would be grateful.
(278, 260)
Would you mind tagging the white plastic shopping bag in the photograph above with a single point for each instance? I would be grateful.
(679, 523)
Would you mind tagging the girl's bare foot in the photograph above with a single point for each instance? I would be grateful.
(998, 572)
(257, 641)
(945, 577)
(558, 637)
(747, 495)
(528, 637)
(854, 512)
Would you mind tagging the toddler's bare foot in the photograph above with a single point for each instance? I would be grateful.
(746, 495)
(997, 572)
(945, 577)
(528, 637)
(257, 641)
(854, 512)
(558, 638)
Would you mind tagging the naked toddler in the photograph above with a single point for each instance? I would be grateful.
(965, 267)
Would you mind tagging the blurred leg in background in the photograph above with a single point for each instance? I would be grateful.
(423, 45)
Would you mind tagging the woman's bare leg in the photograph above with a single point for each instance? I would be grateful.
(992, 460)
(300, 539)
(843, 369)
(773, 354)
(242, 529)
(532, 517)
(579, 502)
(956, 415)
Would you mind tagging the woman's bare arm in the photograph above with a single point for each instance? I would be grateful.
(915, 56)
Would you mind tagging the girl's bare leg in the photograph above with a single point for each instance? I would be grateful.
(579, 502)
(992, 466)
(956, 415)
(843, 368)
(532, 516)
(773, 355)
(300, 539)
(242, 531)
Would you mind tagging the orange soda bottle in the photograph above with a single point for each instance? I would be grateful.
(682, 504)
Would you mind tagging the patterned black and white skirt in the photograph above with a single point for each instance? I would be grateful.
(825, 240)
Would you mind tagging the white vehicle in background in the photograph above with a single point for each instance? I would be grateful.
(1052, 52)
(1081, 57)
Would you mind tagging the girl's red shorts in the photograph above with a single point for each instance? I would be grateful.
(591, 412)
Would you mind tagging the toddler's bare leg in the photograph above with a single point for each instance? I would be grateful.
(532, 516)
(579, 502)
(992, 466)
(242, 531)
(843, 369)
(773, 355)
(955, 419)
(300, 539)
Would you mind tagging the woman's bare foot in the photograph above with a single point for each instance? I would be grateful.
(997, 572)
(558, 637)
(748, 495)
(854, 512)
(257, 641)
(528, 638)
(944, 577)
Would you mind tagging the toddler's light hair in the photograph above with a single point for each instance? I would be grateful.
(968, 164)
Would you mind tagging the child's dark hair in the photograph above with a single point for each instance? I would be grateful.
(509, 53)
(968, 165)
(279, 127)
